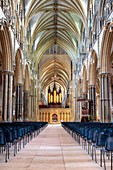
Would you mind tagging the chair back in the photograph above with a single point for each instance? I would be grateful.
(109, 144)
(101, 139)
(2, 138)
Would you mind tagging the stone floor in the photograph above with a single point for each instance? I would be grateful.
(52, 149)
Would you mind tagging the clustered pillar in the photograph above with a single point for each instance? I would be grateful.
(19, 102)
(92, 101)
(26, 105)
(105, 97)
(84, 96)
(7, 96)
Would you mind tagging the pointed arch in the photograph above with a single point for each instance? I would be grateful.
(19, 67)
(92, 68)
(6, 48)
(106, 49)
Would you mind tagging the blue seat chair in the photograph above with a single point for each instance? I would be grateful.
(109, 150)
(3, 144)
(99, 144)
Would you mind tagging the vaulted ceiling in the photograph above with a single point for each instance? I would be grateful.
(55, 22)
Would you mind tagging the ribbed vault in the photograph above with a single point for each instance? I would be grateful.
(51, 22)
(54, 69)
(54, 21)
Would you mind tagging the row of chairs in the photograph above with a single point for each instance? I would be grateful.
(17, 134)
(93, 136)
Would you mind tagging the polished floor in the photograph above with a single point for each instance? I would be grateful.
(52, 149)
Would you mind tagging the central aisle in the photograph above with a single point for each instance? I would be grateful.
(52, 149)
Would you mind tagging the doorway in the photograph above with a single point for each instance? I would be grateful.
(55, 118)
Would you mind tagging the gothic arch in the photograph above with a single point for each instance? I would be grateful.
(106, 48)
(6, 48)
(92, 68)
(19, 67)
(105, 70)
(7, 71)
(18, 83)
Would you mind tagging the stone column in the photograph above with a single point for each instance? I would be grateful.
(40, 116)
(47, 117)
(84, 96)
(33, 101)
(26, 105)
(7, 96)
(65, 117)
(62, 116)
(19, 102)
(78, 96)
(92, 101)
(98, 106)
(10, 92)
(36, 107)
(35, 104)
(105, 97)
(68, 115)
(31, 106)
(44, 117)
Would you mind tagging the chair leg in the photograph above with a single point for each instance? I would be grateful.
(6, 154)
(8, 151)
(92, 152)
(88, 147)
(104, 160)
(15, 148)
(101, 157)
(95, 155)
(111, 160)
(82, 142)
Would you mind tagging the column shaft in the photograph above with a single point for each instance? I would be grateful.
(92, 103)
(47, 117)
(105, 97)
(7, 96)
(19, 101)
(62, 116)
(26, 105)
(31, 107)
(10, 91)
